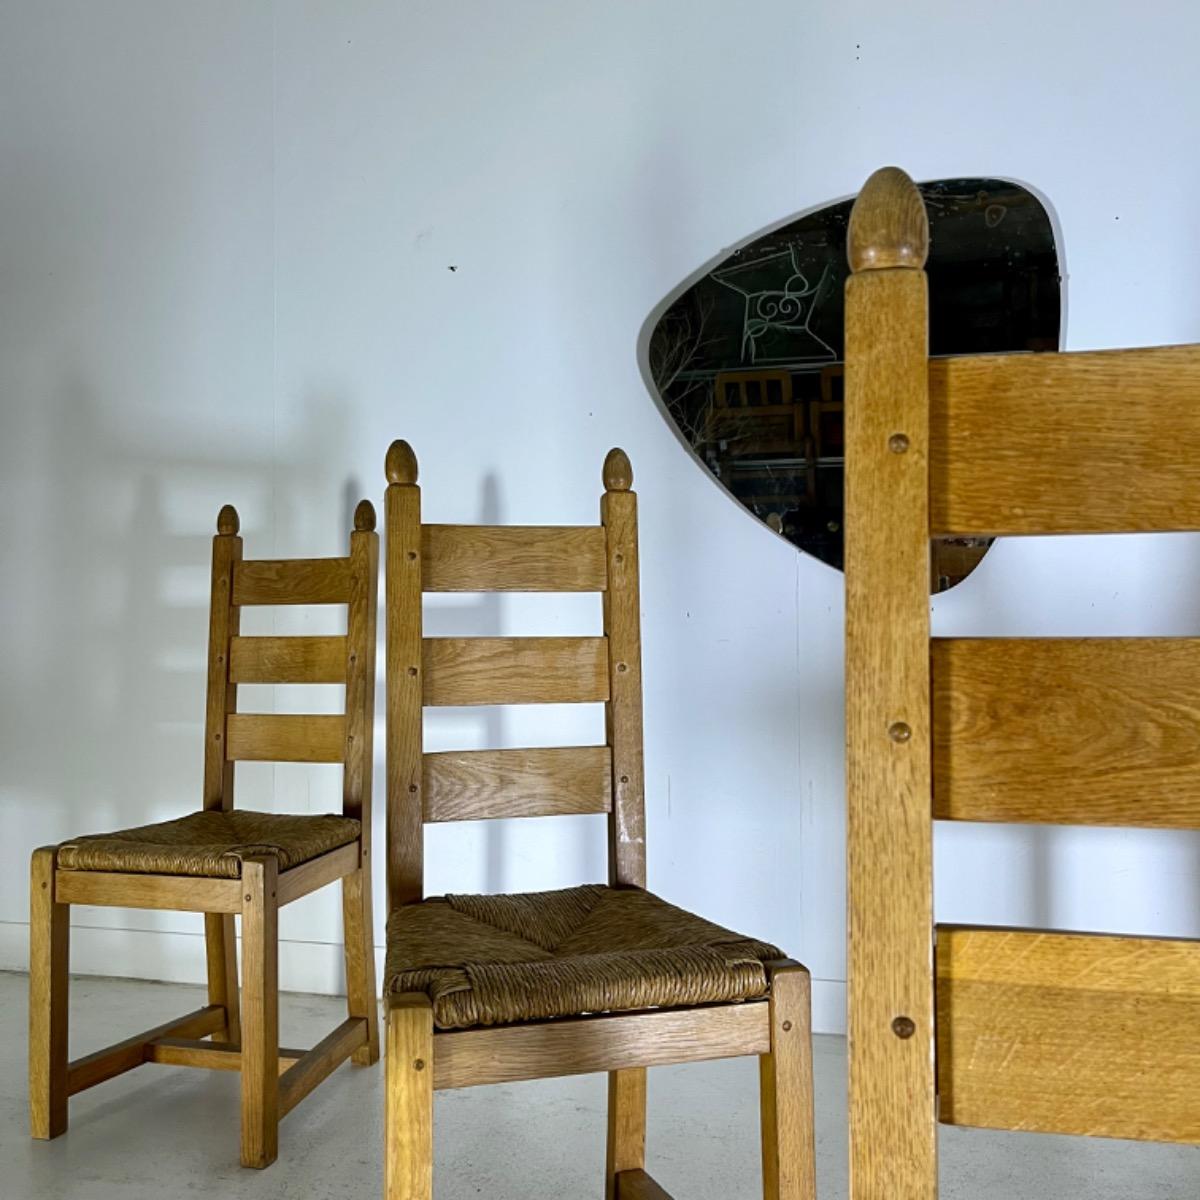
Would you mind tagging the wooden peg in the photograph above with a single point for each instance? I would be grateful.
(888, 225)
(618, 474)
(401, 463)
(364, 516)
(227, 520)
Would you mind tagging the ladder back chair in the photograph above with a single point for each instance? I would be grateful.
(1020, 1029)
(223, 861)
(490, 989)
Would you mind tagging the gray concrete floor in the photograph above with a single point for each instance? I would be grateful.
(164, 1132)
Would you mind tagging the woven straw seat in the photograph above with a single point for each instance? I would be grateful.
(210, 844)
(494, 960)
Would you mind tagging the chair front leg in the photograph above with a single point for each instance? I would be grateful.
(359, 939)
(49, 952)
(626, 1149)
(408, 1111)
(260, 1013)
(220, 939)
(785, 1073)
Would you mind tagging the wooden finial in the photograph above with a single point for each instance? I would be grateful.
(364, 516)
(227, 520)
(888, 224)
(401, 464)
(618, 474)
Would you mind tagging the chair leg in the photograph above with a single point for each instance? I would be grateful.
(358, 935)
(220, 939)
(49, 949)
(408, 1113)
(626, 1125)
(788, 1145)
(260, 1013)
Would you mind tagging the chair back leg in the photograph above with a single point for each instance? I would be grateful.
(220, 940)
(260, 1013)
(626, 1125)
(788, 1144)
(49, 934)
(358, 936)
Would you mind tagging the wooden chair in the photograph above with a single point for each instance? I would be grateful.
(1005, 1028)
(222, 861)
(489, 989)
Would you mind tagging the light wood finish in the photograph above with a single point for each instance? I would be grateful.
(114, 1060)
(892, 1131)
(508, 670)
(623, 716)
(1065, 1033)
(224, 621)
(1094, 442)
(318, 872)
(285, 737)
(405, 837)
(513, 558)
(625, 1148)
(260, 1013)
(287, 660)
(789, 1152)
(292, 581)
(578, 1046)
(178, 893)
(320, 1062)
(49, 931)
(1091, 731)
(473, 785)
(210, 1056)
(362, 999)
(490, 783)
(408, 1110)
(220, 945)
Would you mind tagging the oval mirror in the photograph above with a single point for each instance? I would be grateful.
(746, 361)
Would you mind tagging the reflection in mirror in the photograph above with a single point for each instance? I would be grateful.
(747, 361)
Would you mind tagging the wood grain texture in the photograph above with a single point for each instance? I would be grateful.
(208, 1056)
(1095, 442)
(623, 715)
(260, 1013)
(889, 832)
(1089, 731)
(473, 785)
(888, 224)
(362, 999)
(320, 1062)
(221, 697)
(408, 1115)
(405, 836)
(287, 660)
(513, 558)
(179, 893)
(625, 1146)
(358, 666)
(789, 1152)
(1069, 1033)
(515, 670)
(49, 951)
(318, 872)
(285, 737)
(220, 947)
(609, 1043)
(292, 581)
(637, 1185)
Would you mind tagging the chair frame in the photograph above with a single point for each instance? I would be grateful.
(225, 1034)
(972, 1025)
(422, 1059)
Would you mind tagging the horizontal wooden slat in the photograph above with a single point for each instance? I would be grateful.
(211, 1056)
(554, 670)
(287, 660)
(1105, 441)
(292, 581)
(472, 785)
(320, 1062)
(1069, 1033)
(317, 872)
(1087, 731)
(513, 558)
(177, 893)
(278, 737)
(610, 1043)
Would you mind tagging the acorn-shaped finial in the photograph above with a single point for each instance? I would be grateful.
(401, 463)
(227, 520)
(888, 224)
(364, 516)
(618, 474)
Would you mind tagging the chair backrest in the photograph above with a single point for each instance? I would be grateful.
(349, 659)
(476, 784)
(1015, 1029)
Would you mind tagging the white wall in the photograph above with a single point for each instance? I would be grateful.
(226, 234)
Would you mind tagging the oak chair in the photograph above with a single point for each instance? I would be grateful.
(488, 989)
(1019, 1029)
(222, 861)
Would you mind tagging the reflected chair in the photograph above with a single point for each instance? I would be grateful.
(222, 861)
(491, 989)
(1018, 1029)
